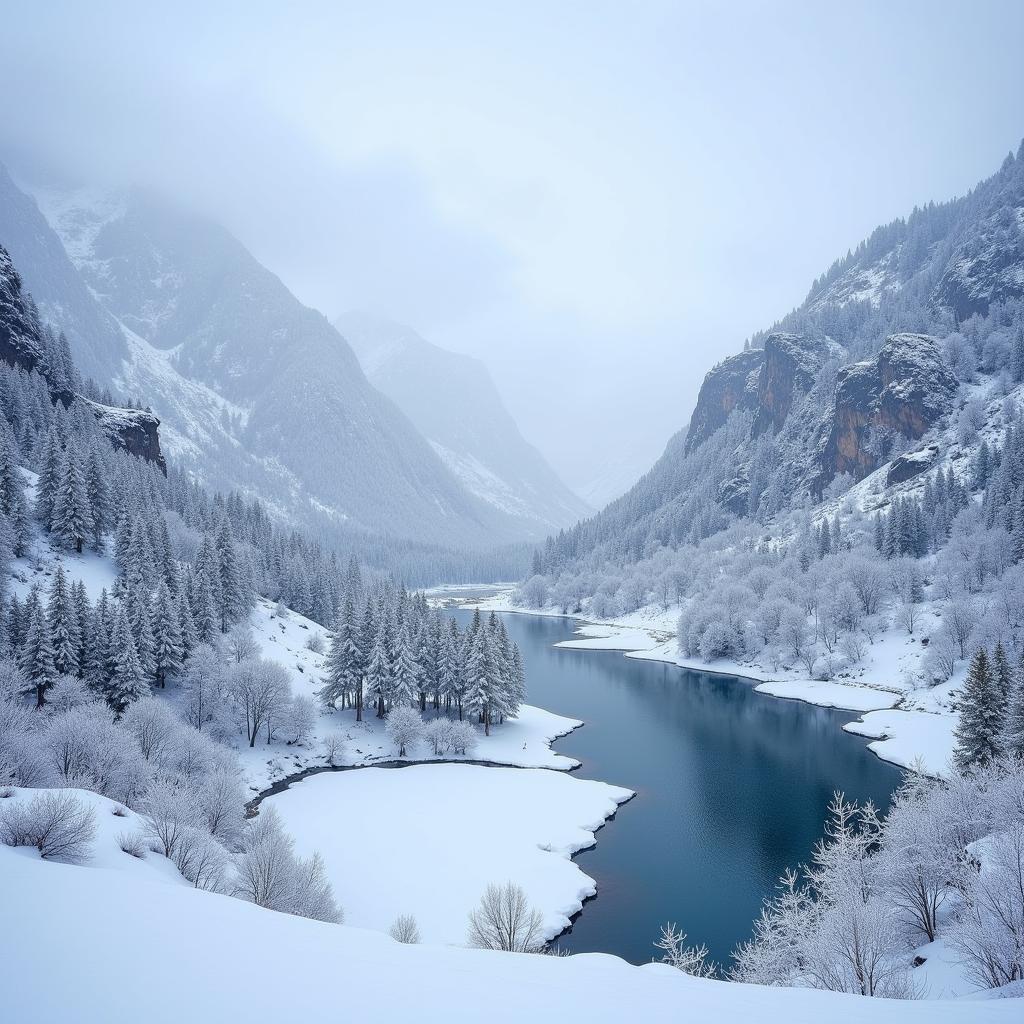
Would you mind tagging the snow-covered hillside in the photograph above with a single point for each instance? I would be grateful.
(105, 943)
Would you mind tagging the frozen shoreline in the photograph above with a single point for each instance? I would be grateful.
(460, 826)
(905, 736)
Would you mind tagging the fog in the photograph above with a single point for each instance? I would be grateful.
(598, 200)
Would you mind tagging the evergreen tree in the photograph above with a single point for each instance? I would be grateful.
(36, 654)
(167, 645)
(72, 519)
(128, 679)
(65, 636)
(1013, 734)
(978, 732)
(378, 671)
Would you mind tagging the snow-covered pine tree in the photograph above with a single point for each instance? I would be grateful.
(978, 731)
(167, 645)
(128, 679)
(65, 634)
(378, 670)
(36, 654)
(405, 669)
(72, 519)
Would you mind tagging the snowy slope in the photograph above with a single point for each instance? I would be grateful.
(453, 402)
(104, 947)
(256, 391)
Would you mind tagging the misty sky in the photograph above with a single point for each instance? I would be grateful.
(600, 200)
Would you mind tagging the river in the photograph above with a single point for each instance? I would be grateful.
(732, 787)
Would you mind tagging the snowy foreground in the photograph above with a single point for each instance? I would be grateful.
(432, 837)
(133, 943)
(906, 724)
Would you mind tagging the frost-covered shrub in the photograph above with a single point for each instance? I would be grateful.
(405, 929)
(133, 843)
(85, 748)
(404, 728)
(533, 593)
(56, 823)
(333, 746)
(270, 875)
(716, 641)
(170, 811)
(437, 734)
(316, 643)
(462, 738)
(299, 720)
(68, 693)
(695, 960)
(201, 859)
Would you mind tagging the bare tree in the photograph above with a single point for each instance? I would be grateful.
(405, 929)
(505, 920)
(261, 690)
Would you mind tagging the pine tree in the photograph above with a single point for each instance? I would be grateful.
(72, 518)
(49, 477)
(167, 646)
(378, 671)
(405, 670)
(128, 679)
(65, 636)
(36, 654)
(978, 731)
(1013, 734)
(97, 493)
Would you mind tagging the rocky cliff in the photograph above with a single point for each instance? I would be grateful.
(22, 345)
(732, 384)
(904, 391)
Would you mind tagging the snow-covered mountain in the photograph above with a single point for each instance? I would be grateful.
(255, 391)
(453, 402)
(861, 373)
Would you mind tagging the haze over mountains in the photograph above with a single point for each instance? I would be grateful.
(258, 392)
(453, 402)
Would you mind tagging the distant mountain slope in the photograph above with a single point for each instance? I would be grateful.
(861, 372)
(63, 297)
(453, 402)
(256, 390)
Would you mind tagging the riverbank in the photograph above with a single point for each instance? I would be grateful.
(432, 837)
(909, 726)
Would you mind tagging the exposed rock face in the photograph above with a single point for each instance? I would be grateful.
(732, 384)
(791, 363)
(910, 464)
(906, 388)
(134, 430)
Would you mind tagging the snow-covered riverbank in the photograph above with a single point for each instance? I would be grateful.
(908, 725)
(432, 837)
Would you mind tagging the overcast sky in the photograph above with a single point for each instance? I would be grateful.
(599, 200)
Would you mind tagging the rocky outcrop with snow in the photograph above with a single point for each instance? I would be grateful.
(906, 389)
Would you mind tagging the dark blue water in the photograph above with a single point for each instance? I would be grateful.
(731, 788)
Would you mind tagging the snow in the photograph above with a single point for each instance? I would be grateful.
(121, 949)
(905, 736)
(432, 837)
(828, 694)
